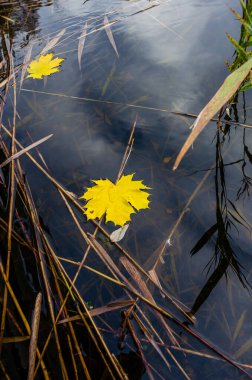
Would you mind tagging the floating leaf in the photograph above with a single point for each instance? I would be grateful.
(119, 234)
(44, 66)
(225, 92)
(118, 200)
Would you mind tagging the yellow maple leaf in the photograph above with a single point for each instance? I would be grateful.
(44, 66)
(118, 201)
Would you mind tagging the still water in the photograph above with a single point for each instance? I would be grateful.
(170, 57)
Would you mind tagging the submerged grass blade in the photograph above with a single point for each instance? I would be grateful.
(53, 42)
(81, 43)
(110, 35)
(25, 65)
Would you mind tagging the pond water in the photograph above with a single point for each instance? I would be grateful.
(170, 58)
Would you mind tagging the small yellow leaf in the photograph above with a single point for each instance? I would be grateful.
(44, 66)
(118, 201)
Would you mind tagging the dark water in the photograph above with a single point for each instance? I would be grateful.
(171, 58)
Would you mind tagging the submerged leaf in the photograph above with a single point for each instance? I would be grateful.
(118, 200)
(44, 66)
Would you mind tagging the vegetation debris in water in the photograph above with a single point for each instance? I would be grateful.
(44, 66)
(118, 200)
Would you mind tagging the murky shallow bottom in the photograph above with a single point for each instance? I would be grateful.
(170, 58)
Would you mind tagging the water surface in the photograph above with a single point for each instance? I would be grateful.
(171, 58)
